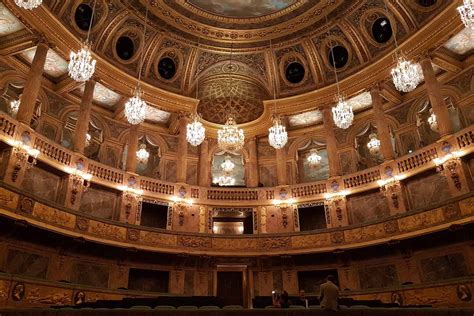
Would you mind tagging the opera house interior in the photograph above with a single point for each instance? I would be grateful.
(237, 156)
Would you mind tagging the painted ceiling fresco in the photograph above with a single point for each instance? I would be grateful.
(461, 43)
(242, 8)
(55, 65)
(103, 95)
(358, 103)
(8, 22)
(156, 116)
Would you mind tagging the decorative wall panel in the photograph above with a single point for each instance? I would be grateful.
(89, 274)
(378, 277)
(367, 207)
(427, 189)
(444, 267)
(99, 203)
(27, 264)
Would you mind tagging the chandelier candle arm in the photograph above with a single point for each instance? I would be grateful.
(466, 12)
(28, 4)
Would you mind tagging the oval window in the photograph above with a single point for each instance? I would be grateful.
(166, 68)
(295, 72)
(125, 47)
(83, 16)
(382, 30)
(341, 56)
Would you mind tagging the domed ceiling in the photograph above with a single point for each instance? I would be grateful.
(281, 46)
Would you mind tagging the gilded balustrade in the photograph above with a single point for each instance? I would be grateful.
(411, 164)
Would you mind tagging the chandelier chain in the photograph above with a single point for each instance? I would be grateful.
(143, 48)
(91, 21)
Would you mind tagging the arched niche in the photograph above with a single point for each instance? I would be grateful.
(94, 139)
(238, 173)
(150, 168)
(306, 172)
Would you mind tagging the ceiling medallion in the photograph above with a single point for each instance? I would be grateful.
(466, 11)
(314, 159)
(143, 155)
(195, 132)
(28, 4)
(406, 75)
(135, 108)
(342, 113)
(230, 138)
(373, 145)
(81, 65)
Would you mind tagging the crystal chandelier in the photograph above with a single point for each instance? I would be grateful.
(406, 75)
(224, 180)
(81, 65)
(342, 113)
(135, 108)
(373, 145)
(314, 159)
(432, 121)
(28, 4)
(143, 155)
(277, 135)
(227, 166)
(230, 138)
(466, 11)
(88, 139)
(195, 132)
(14, 107)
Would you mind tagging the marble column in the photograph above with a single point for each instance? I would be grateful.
(132, 149)
(331, 144)
(382, 124)
(433, 88)
(252, 164)
(282, 176)
(82, 126)
(182, 154)
(204, 164)
(33, 85)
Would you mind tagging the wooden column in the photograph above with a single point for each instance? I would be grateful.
(331, 144)
(252, 164)
(182, 154)
(132, 149)
(433, 88)
(204, 164)
(282, 176)
(33, 84)
(382, 124)
(82, 127)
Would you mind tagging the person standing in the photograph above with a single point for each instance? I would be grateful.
(329, 294)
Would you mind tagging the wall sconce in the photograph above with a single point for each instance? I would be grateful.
(283, 205)
(81, 181)
(390, 188)
(130, 193)
(24, 156)
(450, 162)
(181, 204)
(454, 156)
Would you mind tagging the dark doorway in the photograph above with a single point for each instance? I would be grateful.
(154, 215)
(312, 218)
(230, 288)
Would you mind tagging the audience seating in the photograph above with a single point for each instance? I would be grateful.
(233, 307)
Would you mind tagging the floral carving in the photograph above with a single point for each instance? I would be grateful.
(450, 211)
(275, 243)
(26, 205)
(194, 242)
(133, 234)
(82, 223)
(390, 227)
(106, 230)
(337, 237)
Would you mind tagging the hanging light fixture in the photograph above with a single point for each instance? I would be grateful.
(88, 139)
(143, 155)
(227, 166)
(374, 144)
(81, 64)
(195, 131)
(466, 11)
(14, 107)
(28, 4)
(224, 180)
(342, 113)
(314, 159)
(277, 134)
(230, 138)
(432, 121)
(135, 108)
(406, 75)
